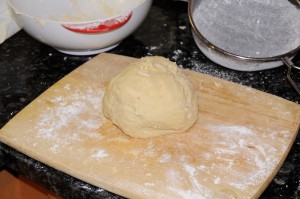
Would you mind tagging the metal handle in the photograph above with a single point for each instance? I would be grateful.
(290, 66)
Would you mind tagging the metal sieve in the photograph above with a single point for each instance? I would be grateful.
(247, 35)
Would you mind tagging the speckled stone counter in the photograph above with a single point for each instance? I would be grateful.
(28, 68)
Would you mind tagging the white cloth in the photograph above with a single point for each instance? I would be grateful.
(8, 25)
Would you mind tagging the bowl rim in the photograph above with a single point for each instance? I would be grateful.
(98, 20)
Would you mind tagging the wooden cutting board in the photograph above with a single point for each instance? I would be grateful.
(239, 142)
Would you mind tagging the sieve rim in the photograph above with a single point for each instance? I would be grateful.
(229, 54)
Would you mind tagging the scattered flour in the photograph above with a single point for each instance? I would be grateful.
(177, 54)
(100, 154)
(54, 148)
(182, 27)
(235, 161)
(243, 140)
(149, 184)
(152, 49)
(67, 86)
(165, 158)
(217, 180)
(64, 112)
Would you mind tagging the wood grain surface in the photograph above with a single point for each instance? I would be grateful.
(239, 142)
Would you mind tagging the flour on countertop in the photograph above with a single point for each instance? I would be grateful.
(152, 49)
(177, 54)
(182, 27)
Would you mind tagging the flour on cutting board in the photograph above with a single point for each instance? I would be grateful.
(69, 110)
(100, 154)
(232, 149)
(233, 160)
(165, 158)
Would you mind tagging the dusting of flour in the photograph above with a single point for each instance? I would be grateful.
(232, 164)
(80, 110)
(243, 140)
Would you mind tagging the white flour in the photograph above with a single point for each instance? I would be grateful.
(249, 28)
(66, 111)
(100, 154)
(244, 141)
(236, 159)
(165, 158)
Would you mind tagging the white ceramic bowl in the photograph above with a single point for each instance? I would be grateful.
(80, 27)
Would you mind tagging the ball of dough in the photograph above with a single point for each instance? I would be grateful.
(151, 97)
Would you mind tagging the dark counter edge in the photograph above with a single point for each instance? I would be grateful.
(55, 181)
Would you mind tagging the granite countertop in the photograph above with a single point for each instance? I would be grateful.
(28, 68)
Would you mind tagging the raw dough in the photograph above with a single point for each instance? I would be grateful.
(151, 98)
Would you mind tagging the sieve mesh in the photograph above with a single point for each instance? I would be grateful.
(255, 28)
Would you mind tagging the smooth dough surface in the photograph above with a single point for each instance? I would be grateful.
(151, 97)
